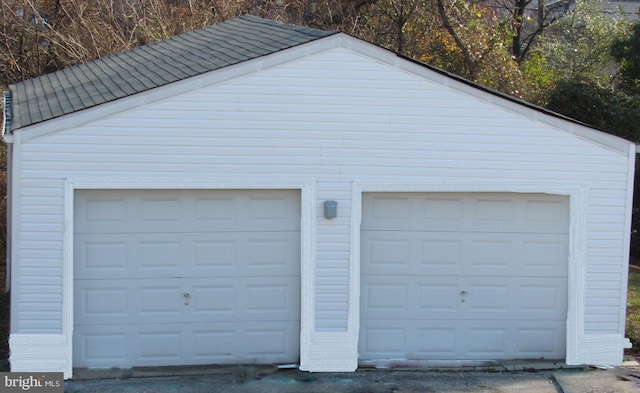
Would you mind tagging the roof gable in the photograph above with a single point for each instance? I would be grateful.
(216, 53)
(134, 71)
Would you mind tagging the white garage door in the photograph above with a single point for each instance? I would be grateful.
(178, 277)
(450, 277)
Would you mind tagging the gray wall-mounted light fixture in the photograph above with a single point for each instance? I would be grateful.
(330, 209)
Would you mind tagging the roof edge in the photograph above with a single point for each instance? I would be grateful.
(503, 95)
(515, 105)
(491, 96)
(149, 96)
(311, 34)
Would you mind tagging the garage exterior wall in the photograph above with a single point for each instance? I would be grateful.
(339, 117)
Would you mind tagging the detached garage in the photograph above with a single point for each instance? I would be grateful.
(274, 194)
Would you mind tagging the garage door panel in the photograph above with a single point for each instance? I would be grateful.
(128, 256)
(439, 297)
(545, 341)
(545, 213)
(159, 212)
(168, 211)
(454, 298)
(516, 297)
(171, 277)
(267, 300)
(487, 342)
(244, 254)
(519, 213)
(118, 301)
(187, 255)
(544, 255)
(253, 342)
(193, 300)
(491, 254)
(233, 210)
(160, 255)
(383, 340)
(213, 344)
(399, 297)
(103, 302)
(439, 254)
(158, 300)
(389, 252)
(404, 252)
(104, 210)
(478, 340)
(509, 339)
(213, 300)
(273, 342)
(101, 256)
(217, 255)
(516, 254)
(247, 253)
(402, 211)
(409, 340)
(274, 253)
(463, 276)
(270, 298)
(487, 298)
(465, 253)
(201, 343)
(245, 300)
(549, 297)
(158, 344)
(102, 346)
(215, 211)
(385, 299)
(433, 341)
(453, 212)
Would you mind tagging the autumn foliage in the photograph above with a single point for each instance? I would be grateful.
(466, 38)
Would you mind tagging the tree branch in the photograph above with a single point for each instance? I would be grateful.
(470, 64)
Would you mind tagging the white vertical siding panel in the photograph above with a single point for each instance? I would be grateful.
(332, 262)
(604, 268)
(335, 117)
(38, 272)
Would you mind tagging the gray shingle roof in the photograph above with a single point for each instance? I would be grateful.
(123, 74)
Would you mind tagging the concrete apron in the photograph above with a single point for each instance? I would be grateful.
(614, 380)
(269, 379)
(135, 372)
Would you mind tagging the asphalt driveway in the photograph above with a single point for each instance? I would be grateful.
(265, 380)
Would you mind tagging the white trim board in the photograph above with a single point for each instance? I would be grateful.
(580, 347)
(307, 271)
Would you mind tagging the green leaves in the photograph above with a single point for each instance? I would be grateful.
(577, 47)
(627, 52)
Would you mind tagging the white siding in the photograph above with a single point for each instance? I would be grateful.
(335, 117)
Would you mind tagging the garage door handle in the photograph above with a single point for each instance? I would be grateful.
(464, 293)
(187, 298)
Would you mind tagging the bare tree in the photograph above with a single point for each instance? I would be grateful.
(45, 35)
(528, 19)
